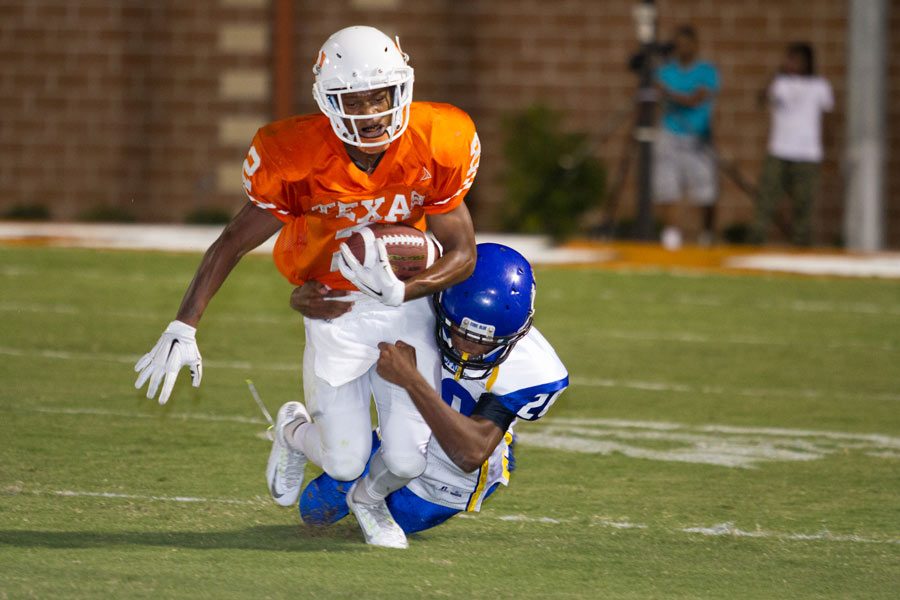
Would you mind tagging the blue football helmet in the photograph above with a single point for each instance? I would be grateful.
(494, 307)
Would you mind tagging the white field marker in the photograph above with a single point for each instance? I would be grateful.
(268, 434)
(259, 402)
(719, 530)
(707, 444)
(649, 386)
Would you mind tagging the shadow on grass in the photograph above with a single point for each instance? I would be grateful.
(277, 538)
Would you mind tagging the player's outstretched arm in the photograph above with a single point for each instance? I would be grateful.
(248, 229)
(468, 441)
(177, 347)
(455, 232)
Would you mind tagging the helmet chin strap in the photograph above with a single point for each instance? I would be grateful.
(375, 149)
(459, 368)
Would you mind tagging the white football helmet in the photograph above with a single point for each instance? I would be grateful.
(357, 59)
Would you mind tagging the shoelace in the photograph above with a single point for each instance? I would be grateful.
(377, 517)
(290, 468)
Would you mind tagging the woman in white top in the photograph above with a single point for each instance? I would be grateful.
(796, 97)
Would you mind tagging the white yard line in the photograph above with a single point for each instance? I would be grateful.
(617, 524)
(95, 274)
(719, 530)
(652, 386)
(729, 530)
(16, 271)
(142, 415)
(131, 359)
(686, 337)
(715, 444)
(18, 490)
(893, 442)
(527, 519)
(705, 444)
(116, 495)
(663, 386)
(288, 318)
(60, 309)
(802, 306)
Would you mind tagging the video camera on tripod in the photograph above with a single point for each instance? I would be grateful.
(651, 51)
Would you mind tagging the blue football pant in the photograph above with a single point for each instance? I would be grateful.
(323, 502)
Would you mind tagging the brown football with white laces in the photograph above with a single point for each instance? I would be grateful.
(410, 251)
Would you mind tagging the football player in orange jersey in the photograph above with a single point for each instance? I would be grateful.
(373, 156)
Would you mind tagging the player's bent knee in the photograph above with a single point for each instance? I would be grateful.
(344, 468)
(405, 465)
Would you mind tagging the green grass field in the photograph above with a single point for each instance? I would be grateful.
(724, 437)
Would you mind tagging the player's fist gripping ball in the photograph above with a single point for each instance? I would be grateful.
(410, 251)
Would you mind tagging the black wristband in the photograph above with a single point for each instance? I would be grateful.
(490, 408)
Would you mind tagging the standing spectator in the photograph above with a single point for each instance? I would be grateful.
(684, 160)
(797, 97)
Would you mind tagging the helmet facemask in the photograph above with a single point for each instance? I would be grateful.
(331, 103)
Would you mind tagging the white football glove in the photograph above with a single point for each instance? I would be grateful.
(176, 348)
(378, 279)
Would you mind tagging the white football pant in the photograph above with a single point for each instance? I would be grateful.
(342, 439)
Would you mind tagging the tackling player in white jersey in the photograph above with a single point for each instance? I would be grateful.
(497, 369)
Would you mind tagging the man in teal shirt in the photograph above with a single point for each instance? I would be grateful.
(685, 164)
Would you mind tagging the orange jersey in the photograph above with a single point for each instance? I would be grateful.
(300, 171)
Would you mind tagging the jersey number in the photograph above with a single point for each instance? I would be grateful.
(457, 397)
(251, 164)
(538, 407)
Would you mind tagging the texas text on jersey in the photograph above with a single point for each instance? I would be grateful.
(527, 384)
(299, 171)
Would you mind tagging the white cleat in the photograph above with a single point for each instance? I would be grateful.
(284, 473)
(376, 522)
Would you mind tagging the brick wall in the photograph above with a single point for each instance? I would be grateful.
(149, 106)
(128, 107)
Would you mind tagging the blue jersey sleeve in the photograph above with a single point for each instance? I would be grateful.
(533, 403)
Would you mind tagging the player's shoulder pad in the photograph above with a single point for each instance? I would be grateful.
(448, 131)
(291, 145)
(532, 378)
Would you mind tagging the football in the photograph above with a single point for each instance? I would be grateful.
(410, 251)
